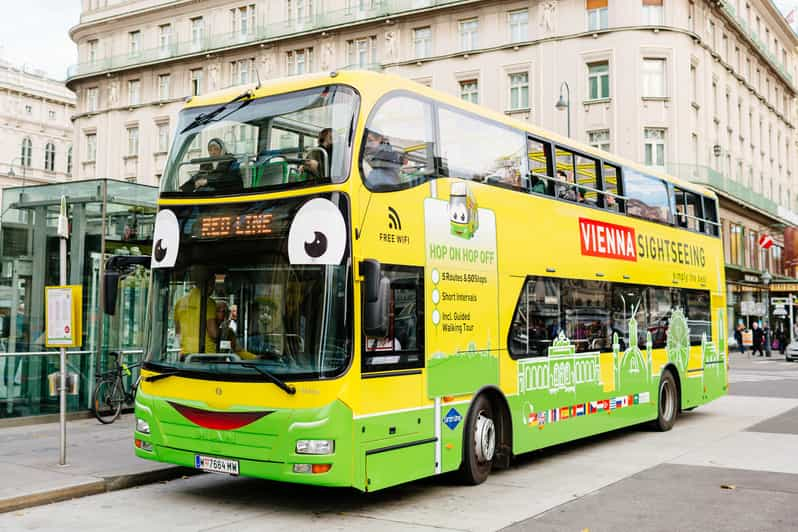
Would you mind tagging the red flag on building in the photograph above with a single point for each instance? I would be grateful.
(765, 241)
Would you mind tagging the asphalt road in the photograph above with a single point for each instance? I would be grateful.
(729, 465)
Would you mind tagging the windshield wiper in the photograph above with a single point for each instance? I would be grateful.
(153, 378)
(287, 388)
(204, 118)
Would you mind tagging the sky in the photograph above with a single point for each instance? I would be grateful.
(40, 37)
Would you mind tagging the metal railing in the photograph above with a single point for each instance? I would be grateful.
(705, 175)
(779, 66)
(279, 29)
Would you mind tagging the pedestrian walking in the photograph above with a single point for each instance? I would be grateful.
(768, 338)
(759, 337)
(738, 337)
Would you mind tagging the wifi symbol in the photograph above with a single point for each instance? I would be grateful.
(393, 219)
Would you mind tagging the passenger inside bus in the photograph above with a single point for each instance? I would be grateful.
(187, 314)
(384, 163)
(220, 174)
(319, 159)
(568, 192)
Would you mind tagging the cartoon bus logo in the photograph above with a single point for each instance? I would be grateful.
(463, 217)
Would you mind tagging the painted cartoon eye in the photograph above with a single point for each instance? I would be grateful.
(317, 234)
(166, 238)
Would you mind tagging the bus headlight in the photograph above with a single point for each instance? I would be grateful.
(315, 446)
(142, 426)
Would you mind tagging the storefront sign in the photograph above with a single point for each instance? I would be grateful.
(784, 287)
(751, 278)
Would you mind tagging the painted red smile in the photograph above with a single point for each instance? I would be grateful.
(219, 420)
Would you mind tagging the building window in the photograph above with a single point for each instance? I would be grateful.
(196, 82)
(91, 99)
(49, 157)
(69, 160)
(28, 109)
(469, 90)
(598, 80)
(422, 42)
(197, 32)
(300, 61)
(652, 12)
(51, 115)
(243, 20)
(92, 50)
(300, 10)
(469, 34)
(163, 137)
(519, 25)
(693, 83)
(133, 92)
(599, 139)
(519, 90)
(240, 71)
(164, 37)
(596, 14)
(133, 141)
(133, 43)
(27, 152)
(91, 147)
(654, 147)
(362, 52)
(163, 86)
(360, 7)
(653, 78)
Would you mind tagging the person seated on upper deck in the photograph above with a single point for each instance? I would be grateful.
(314, 165)
(384, 162)
(223, 176)
(568, 192)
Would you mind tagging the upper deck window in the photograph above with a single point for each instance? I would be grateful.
(282, 141)
(647, 196)
(398, 144)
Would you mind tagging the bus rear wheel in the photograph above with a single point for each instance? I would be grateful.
(667, 402)
(479, 442)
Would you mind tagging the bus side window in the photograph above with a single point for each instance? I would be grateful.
(695, 212)
(711, 216)
(587, 179)
(565, 175)
(481, 150)
(648, 196)
(611, 179)
(536, 322)
(398, 145)
(539, 156)
(403, 347)
(679, 200)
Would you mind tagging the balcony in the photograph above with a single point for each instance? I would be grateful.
(777, 65)
(269, 32)
(705, 175)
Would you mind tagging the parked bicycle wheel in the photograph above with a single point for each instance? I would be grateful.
(108, 399)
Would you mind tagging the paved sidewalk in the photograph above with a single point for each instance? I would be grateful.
(99, 458)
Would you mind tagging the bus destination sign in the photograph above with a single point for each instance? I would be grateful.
(232, 225)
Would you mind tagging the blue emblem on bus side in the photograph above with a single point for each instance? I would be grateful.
(452, 418)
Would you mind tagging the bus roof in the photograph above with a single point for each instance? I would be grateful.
(378, 84)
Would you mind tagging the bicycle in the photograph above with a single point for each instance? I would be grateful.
(110, 393)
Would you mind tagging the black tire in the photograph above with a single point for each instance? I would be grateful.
(479, 442)
(667, 402)
(108, 400)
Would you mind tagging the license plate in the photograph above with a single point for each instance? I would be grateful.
(216, 465)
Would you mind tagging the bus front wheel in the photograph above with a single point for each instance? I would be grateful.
(667, 402)
(479, 442)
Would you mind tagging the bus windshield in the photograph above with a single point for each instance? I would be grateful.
(283, 141)
(264, 284)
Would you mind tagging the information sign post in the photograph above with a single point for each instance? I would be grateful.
(63, 320)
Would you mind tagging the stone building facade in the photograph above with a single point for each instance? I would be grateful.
(35, 127)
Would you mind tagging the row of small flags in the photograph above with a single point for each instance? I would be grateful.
(592, 407)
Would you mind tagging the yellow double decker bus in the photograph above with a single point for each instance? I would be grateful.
(360, 281)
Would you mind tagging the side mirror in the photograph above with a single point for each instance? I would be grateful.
(117, 268)
(377, 295)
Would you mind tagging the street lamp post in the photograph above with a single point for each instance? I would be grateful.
(766, 278)
(564, 104)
